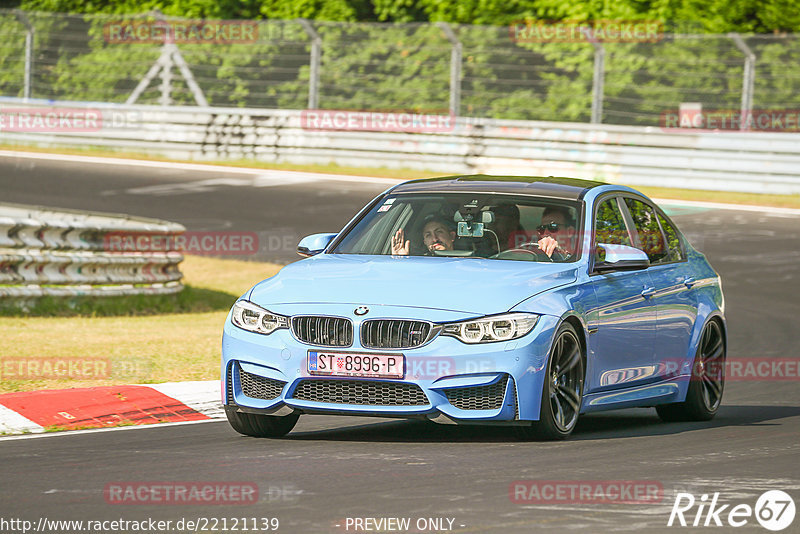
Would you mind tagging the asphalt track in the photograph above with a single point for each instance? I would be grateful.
(332, 468)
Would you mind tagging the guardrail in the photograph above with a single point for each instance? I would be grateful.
(46, 252)
(761, 162)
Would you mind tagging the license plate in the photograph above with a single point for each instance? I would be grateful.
(356, 364)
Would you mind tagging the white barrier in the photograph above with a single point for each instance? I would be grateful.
(45, 252)
(759, 162)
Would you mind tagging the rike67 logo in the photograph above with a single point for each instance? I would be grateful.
(774, 510)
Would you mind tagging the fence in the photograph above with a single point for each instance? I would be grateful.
(46, 252)
(477, 71)
(759, 162)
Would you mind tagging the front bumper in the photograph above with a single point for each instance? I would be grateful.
(446, 381)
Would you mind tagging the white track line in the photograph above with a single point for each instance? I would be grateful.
(263, 174)
(62, 433)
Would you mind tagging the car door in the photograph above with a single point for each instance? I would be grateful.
(625, 332)
(674, 299)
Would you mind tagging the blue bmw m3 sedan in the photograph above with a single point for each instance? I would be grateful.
(503, 300)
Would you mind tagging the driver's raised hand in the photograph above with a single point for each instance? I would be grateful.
(548, 245)
(400, 247)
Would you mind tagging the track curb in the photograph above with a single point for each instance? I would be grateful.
(45, 410)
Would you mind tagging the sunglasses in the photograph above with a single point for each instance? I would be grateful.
(553, 227)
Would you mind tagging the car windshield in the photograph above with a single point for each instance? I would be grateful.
(484, 225)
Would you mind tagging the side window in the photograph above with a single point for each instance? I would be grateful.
(673, 241)
(609, 227)
(651, 240)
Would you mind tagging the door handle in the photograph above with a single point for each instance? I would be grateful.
(689, 282)
(648, 292)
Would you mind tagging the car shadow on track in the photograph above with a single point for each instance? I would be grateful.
(628, 423)
(644, 421)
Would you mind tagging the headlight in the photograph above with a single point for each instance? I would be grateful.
(256, 319)
(495, 328)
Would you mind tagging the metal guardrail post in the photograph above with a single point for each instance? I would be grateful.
(455, 68)
(748, 77)
(598, 81)
(314, 63)
(170, 55)
(27, 84)
(178, 60)
(166, 79)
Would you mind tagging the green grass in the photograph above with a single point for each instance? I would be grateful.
(756, 199)
(189, 300)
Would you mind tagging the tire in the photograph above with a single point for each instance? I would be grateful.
(562, 391)
(261, 426)
(707, 382)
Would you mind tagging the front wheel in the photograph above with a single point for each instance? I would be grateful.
(706, 383)
(261, 426)
(562, 391)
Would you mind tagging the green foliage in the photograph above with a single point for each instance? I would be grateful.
(370, 66)
(384, 67)
(332, 10)
(188, 300)
(12, 56)
(710, 16)
(214, 9)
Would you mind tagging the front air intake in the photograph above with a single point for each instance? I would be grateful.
(323, 331)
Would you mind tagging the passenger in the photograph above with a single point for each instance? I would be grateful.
(436, 235)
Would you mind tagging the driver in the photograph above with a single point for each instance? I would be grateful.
(436, 235)
(556, 232)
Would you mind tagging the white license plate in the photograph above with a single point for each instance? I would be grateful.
(356, 364)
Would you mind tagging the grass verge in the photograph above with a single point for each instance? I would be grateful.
(143, 340)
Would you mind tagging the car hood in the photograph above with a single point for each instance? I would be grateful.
(470, 285)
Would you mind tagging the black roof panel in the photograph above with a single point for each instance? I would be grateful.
(567, 188)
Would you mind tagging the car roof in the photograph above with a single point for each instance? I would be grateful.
(550, 186)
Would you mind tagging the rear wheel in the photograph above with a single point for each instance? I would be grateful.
(562, 391)
(261, 426)
(707, 381)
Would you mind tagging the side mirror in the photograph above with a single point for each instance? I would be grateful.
(620, 258)
(314, 244)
